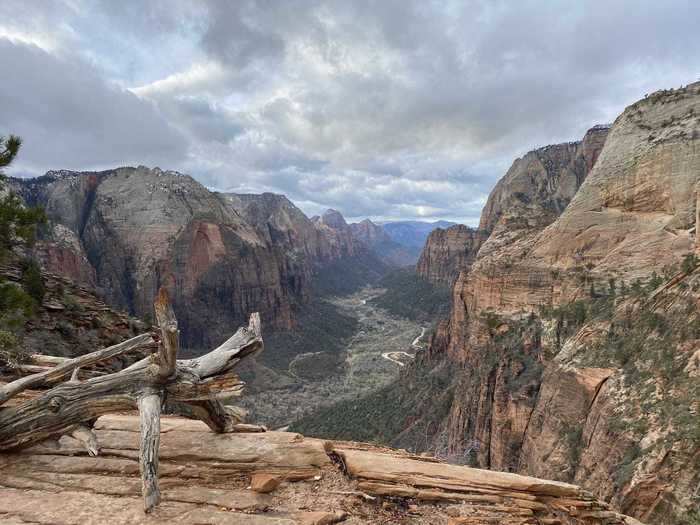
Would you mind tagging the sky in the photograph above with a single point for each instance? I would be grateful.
(388, 109)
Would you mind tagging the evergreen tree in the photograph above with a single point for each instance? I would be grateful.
(18, 300)
(17, 222)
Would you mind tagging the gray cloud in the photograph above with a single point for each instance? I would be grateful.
(388, 109)
(70, 117)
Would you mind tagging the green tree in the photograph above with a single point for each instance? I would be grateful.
(18, 223)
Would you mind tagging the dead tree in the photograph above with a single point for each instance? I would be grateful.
(193, 388)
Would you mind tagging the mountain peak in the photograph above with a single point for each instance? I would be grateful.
(333, 219)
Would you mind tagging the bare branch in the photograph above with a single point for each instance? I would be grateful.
(63, 370)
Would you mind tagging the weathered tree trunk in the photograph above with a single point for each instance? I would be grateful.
(149, 410)
(192, 388)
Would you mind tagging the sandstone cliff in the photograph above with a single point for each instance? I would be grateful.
(378, 240)
(338, 232)
(448, 252)
(571, 351)
(131, 230)
(285, 227)
(369, 233)
(558, 256)
(531, 195)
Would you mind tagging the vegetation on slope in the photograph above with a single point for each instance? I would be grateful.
(408, 295)
(385, 416)
(349, 274)
(321, 327)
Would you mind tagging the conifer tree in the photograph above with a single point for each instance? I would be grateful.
(18, 225)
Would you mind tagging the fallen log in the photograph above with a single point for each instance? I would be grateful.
(192, 388)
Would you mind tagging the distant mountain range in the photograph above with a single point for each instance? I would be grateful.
(412, 234)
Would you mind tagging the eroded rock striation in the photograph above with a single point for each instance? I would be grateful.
(548, 325)
(448, 252)
(205, 478)
(571, 349)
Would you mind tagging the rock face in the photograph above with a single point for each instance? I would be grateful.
(284, 226)
(567, 225)
(448, 252)
(576, 327)
(339, 234)
(369, 233)
(378, 240)
(130, 231)
(204, 479)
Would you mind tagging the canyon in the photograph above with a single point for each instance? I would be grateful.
(571, 349)
(129, 231)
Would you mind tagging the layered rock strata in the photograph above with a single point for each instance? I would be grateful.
(570, 226)
(204, 479)
(448, 252)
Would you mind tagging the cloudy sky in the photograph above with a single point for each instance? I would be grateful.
(386, 108)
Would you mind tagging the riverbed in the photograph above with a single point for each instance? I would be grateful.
(373, 357)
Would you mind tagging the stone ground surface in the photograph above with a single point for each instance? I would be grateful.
(205, 478)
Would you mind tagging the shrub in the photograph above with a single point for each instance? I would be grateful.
(32, 280)
(690, 262)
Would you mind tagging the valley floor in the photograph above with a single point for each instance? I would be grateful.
(382, 343)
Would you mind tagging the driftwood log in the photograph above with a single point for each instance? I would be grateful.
(193, 388)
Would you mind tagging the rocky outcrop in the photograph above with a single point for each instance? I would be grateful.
(205, 478)
(339, 234)
(285, 227)
(575, 329)
(70, 320)
(61, 253)
(142, 229)
(448, 252)
(636, 213)
(569, 225)
(130, 231)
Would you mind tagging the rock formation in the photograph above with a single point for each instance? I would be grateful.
(131, 230)
(571, 348)
(532, 393)
(378, 240)
(285, 227)
(70, 320)
(448, 252)
(338, 232)
(206, 477)
(369, 233)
